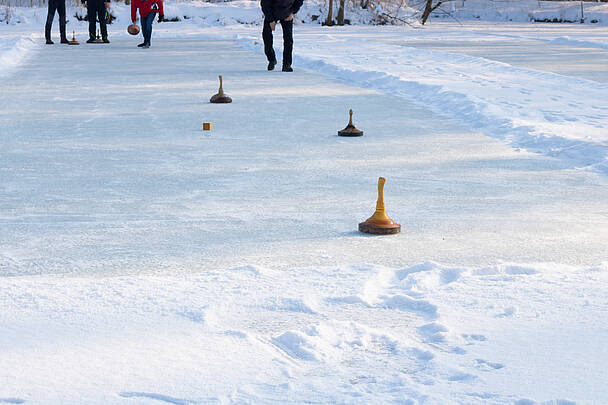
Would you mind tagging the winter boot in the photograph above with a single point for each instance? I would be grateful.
(271, 64)
(287, 68)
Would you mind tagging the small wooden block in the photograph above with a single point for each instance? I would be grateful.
(207, 126)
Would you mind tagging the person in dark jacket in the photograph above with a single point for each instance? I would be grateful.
(59, 6)
(283, 11)
(147, 12)
(97, 9)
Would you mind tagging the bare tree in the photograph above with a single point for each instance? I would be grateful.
(429, 7)
(341, 13)
(330, 14)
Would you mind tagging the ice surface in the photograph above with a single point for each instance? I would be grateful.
(105, 171)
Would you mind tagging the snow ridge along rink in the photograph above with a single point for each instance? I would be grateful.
(144, 262)
(14, 50)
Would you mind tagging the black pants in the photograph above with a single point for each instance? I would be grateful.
(287, 41)
(59, 6)
(97, 9)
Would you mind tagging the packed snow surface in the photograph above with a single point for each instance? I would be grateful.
(143, 261)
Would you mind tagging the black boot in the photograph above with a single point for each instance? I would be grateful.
(64, 40)
(141, 45)
(49, 42)
(287, 68)
(91, 41)
(106, 40)
(272, 64)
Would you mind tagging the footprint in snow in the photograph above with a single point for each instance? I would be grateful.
(472, 339)
(485, 365)
(551, 118)
(461, 377)
(404, 303)
(507, 313)
(433, 332)
(235, 333)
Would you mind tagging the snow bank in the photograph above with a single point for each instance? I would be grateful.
(594, 13)
(212, 338)
(524, 11)
(14, 50)
(582, 43)
(315, 12)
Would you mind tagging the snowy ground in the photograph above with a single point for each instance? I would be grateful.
(144, 261)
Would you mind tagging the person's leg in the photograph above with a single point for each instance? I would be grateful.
(267, 37)
(144, 29)
(149, 21)
(91, 15)
(287, 42)
(102, 20)
(50, 15)
(61, 10)
(142, 21)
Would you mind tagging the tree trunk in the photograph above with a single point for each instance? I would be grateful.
(341, 13)
(330, 14)
(428, 9)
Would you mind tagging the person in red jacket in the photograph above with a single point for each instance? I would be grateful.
(147, 12)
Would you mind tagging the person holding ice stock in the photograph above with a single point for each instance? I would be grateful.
(283, 11)
(147, 12)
